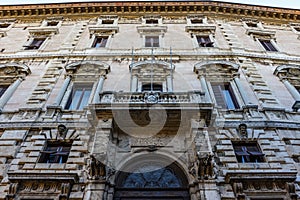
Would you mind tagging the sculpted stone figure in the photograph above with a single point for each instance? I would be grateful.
(96, 168)
(62, 131)
(205, 166)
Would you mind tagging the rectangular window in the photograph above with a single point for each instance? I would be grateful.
(152, 41)
(79, 97)
(108, 21)
(224, 95)
(2, 90)
(196, 21)
(252, 24)
(35, 44)
(100, 41)
(248, 152)
(204, 41)
(52, 23)
(4, 25)
(152, 87)
(56, 152)
(151, 21)
(267, 44)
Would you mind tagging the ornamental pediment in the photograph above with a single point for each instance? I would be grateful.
(103, 29)
(159, 29)
(200, 28)
(43, 31)
(261, 33)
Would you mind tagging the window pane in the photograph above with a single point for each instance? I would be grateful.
(224, 95)
(79, 97)
(75, 99)
(228, 99)
(57, 152)
(151, 41)
(267, 44)
(85, 99)
(204, 41)
(2, 90)
(100, 42)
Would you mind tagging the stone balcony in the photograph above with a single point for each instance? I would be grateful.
(190, 103)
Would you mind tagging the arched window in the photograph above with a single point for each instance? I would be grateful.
(151, 178)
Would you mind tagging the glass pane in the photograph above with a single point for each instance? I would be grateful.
(75, 99)
(84, 99)
(160, 178)
(228, 99)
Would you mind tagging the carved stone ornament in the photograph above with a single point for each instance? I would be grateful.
(96, 169)
(243, 131)
(206, 166)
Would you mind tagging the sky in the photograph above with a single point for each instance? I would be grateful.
(274, 3)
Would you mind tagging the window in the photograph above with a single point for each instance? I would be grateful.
(56, 152)
(151, 21)
(2, 90)
(4, 25)
(152, 41)
(79, 97)
(248, 152)
(252, 24)
(152, 87)
(52, 23)
(204, 41)
(108, 21)
(35, 44)
(196, 21)
(267, 44)
(297, 29)
(100, 41)
(224, 96)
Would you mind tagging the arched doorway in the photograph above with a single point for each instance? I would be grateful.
(149, 179)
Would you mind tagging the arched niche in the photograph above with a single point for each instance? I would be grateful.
(151, 176)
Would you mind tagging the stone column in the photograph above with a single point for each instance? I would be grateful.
(9, 92)
(62, 91)
(241, 90)
(205, 89)
(134, 83)
(169, 83)
(294, 92)
(98, 89)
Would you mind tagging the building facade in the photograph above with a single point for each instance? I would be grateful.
(149, 100)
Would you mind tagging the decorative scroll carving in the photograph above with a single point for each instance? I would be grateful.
(96, 169)
(243, 131)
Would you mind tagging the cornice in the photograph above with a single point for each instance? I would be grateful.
(163, 8)
(164, 53)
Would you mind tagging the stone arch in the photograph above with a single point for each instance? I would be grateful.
(151, 174)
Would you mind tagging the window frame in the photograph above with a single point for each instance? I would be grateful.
(230, 95)
(61, 154)
(77, 87)
(31, 44)
(146, 87)
(266, 47)
(96, 38)
(248, 156)
(156, 44)
(3, 88)
(206, 40)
